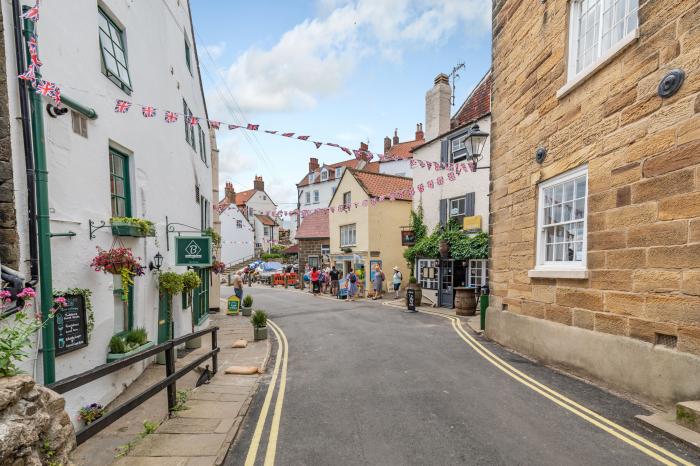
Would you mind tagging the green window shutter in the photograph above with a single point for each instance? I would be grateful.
(113, 52)
(470, 200)
(119, 184)
(443, 212)
(188, 60)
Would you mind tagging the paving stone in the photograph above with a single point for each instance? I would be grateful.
(224, 426)
(179, 445)
(182, 425)
(212, 409)
(151, 461)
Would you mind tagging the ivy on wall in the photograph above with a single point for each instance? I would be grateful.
(86, 294)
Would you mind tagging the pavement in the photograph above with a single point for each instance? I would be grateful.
(198, 435)
(364, 383)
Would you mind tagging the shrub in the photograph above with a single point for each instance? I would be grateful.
(190, 280)
(171, 283)
(137, 336)
(248, 301)
(412, 280)
(259, 319)
(118, 345)
(146, 226)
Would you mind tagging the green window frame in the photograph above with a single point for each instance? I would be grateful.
(189, 129)
(188, 57)
(200, 301)
(126, 308)
(119, 184)
(113, 52)
(202, 146)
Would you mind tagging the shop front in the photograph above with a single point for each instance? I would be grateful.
(443, 276)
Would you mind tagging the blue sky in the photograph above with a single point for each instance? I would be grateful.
(338, 70)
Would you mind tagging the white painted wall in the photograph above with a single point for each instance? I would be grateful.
(237, 243)
(325, 190)
(164, 168)
(261, 203)
(397, 167)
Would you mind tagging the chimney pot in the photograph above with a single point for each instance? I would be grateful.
(419, 132)
(364, 146)
(313, 164)
(396, 136)
(258, 183)
(387, 144)
(229, 193)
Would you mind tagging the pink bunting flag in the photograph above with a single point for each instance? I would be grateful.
(332, 144)
(420, 187)
(234, 126)
(364, 203)
(373, 201)
(440, 180)
(192, 120)
(413, 163)
(148, 111)
(472, 166)
(215, 124)
(287, 135)
(303, 138)
(346, 150)
(421, 163)
(451, 176)
(317, 144)
(170, 117)
(332, 209)
(430, 184)
(122, 106)
(270, 131)
(252, 127)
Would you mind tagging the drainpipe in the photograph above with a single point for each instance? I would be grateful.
(43, 226)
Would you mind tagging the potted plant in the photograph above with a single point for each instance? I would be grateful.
(130, 226)
(218, 267)
(118, 261)
(259, 321)
(414, 285)
(127, 344)
(171, 283)
(247, 308)
(90, 413)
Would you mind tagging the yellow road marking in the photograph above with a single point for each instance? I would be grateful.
(255, 441)
(581, 411)
(274, 429)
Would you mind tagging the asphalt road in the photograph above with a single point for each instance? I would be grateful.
(368, 384)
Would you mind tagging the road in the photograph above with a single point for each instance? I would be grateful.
(364, 383)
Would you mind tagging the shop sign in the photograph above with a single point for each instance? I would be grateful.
(471, 224)
(233, 305)
(411, 299)
(193, 251)
(70, 325)
(408, 238)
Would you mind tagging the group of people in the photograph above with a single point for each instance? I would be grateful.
(328, 281)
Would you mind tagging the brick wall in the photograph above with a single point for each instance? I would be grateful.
(9, 243)
(310, 247)
(643, 156)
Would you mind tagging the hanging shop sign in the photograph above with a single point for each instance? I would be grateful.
(193, 251)
(472, 223)
(408, 238)
(70, 325)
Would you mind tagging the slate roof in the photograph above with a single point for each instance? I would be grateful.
(314, 226)
(377, 184)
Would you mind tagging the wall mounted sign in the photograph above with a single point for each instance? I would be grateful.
(193, 251)
(408, 238)
(372, 264)
(472, 223)
(70, 325)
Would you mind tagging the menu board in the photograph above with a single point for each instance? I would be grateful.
(70, 325)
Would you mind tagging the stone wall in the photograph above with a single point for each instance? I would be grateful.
(9, 241)
(310, 247)
(643, 156)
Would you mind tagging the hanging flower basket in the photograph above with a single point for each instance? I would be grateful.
(218, 267)
(118, 261)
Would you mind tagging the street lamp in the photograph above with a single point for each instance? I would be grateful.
(474, 143)
(157, 262)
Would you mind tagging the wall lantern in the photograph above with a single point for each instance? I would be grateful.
(474, 142)
(156, 263)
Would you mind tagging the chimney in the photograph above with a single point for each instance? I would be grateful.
(387, 144)
(364, 146)
(419, 132)
(229, 193)
(258, 184)
(396, 136)
(437, 107)
(313, 164)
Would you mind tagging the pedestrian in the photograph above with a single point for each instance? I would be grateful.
(361, 281)
(325, 281)
(315, 281)
(351, 284)
(238, 285)
(397, 281)
(334, 280)
(378, 282)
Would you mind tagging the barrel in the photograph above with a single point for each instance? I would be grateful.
(465, 302)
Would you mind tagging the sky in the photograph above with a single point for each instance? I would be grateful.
(343, 71)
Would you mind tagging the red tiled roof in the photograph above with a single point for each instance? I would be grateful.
(376, 184)
(266, 220)
(293, 249)
(244, 196)
(477, 104)
(403, 149)
(352, 163)
(314, 226)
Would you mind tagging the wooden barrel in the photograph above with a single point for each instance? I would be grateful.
(465, 301)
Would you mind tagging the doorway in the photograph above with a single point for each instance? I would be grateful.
(165, 323)
(446, 293)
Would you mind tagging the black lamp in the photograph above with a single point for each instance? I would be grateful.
(157, 262)
(474, 144)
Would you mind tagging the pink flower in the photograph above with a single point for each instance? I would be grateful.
(61, 301)
(5, 294)
(26, 293)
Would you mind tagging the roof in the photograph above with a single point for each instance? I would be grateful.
(266, 220)
(403, 149)
(314, 226)
(477, 105)
(377, 184)
(244, 196)
(293, 249)
(351, 163)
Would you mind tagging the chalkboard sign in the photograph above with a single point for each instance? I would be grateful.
(70, 325)
(411, 299)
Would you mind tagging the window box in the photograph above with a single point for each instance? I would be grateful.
(131, 229)
(111, 357)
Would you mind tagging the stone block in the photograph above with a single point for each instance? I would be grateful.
(533, 309)
(689, 130)
(632, 215)
(610, 323)
(678, 309)
(562, 315)
(671, 114)
(646, 330)
(640, 109)
(658, 234)
(650, 145)
(663, 186)
(580, 298)
(691, 282)
(631, 304)
(604, 240)
(689, 339)
(694, 231)
(583, 318)
(655, 280)
(596, 260)
(681, 206)
(682, 156)
(602, 201)
(596, 222)
(623, 196)
(626, 259)
(611, 279)
(544, 293)
(674, 257)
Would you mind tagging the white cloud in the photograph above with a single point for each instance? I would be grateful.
(214, 51)
(315, 58)
(233, 165)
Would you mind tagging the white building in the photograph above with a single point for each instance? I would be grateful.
(109, 164)
(254, 204)
(399, 153)
(238, 238)
(467, 196)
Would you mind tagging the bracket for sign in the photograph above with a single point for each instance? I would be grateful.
(94, 228)
(170, 228)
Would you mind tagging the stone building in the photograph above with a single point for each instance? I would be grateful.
(313, 241)
(595, 190)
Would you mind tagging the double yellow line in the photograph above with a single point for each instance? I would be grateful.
(280, 361)
(649, 448)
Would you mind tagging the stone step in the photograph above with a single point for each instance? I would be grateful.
(664, 423)
(688, 415)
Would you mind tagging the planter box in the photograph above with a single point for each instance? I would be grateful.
(246, 311)
(259, 333)
(111, 357)
(128, 229)
(194, 343)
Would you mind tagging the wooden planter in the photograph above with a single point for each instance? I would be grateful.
(129, 229)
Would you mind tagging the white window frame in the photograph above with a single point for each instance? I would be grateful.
(266, 230)
(338, 172)
(427, 283)
(348, 235)
(460, 201)
(251, 212)
(317, 197)
(324, 174)
(311, 177)
(458, 147)
(347, 194)
(239, 223)
(308, 197)
(325, 249)
(314, 261)
(482, 266)
(568, 269)
(603, 57)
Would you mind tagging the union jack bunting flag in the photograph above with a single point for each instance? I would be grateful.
(392, 198)
(35, 59)
(303, 138)
(464, 167)
(438, 166)
(32, 14)
(413, 163)
(440, 180)
(332, 209)
(122, 106)
(148, 112)
(29, 75)
(364, 203)
(472, 166)
(215, 124)
(46, 88)
(332, 144)
(421, 163)
(373, 201)
(270, 131)
(430, 184)
(287, 135)
(32, 44)
(451, 176)
(411, 191)
(346, 150)
(56, 96)
(170, 117)
(317, 144)
(192, 120)
(234, 126)
(428, 165)
(252, 127)
(421, 188)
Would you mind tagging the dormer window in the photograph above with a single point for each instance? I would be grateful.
(311, 177)
(338, 172)
(324, 175)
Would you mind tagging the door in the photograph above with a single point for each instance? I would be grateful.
(446, 296)
(165, 324)
(200, 297)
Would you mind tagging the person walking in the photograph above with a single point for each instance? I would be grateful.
(237, 283)
(396, 280)
(351, 284)
(378, 282)
(334, 280)
(315, 281)
(361, 281)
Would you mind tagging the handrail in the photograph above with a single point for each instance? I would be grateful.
(78, 380)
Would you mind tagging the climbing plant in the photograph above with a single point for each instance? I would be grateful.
(86, 294)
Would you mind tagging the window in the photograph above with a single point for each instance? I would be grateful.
(79, 123)
(338, 172)
(204, 212)
(239, 223)
(119, 184)
(197, 197)
(457, 210)
(561, 240)
(314, 262)
(311, 177)
(347, 198)
(113, 51)
(478, 273)
(427, 273)
(324, 175)
(123, 310)
(251, 212)
(458, 151)
(308, 197)
(188, 58)
(202, 145)
(266, 230)
(597, 29)
(264, 198)
(347, 235)
(316, 197)
(189, 129)
(325, 249)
